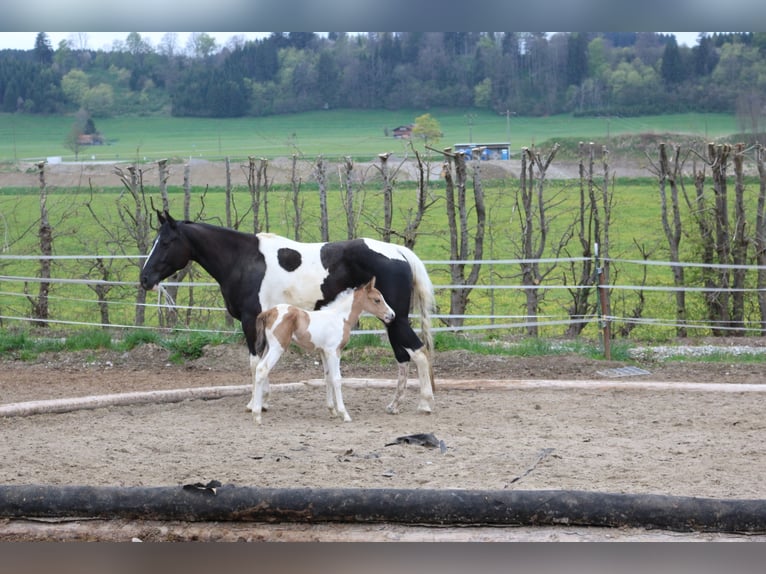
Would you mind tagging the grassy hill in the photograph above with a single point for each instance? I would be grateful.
(361, 134)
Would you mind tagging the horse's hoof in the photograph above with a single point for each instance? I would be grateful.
(424, 409)
(392, 409)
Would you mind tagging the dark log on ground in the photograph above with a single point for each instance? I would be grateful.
(404, 506)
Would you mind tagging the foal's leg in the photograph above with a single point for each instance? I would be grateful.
(328, 385)
(265, 388)
(261, 379)
(254, 360)
(333, 379)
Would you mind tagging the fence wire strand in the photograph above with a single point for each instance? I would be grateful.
(479, 321)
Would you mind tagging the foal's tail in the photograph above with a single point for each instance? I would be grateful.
(423, 300)
(260, 335)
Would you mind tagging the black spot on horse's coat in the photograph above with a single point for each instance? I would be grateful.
(289, 259)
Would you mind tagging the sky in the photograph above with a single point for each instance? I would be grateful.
(104, 40)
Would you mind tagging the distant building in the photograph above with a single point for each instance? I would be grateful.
(500, 150)
(90, 139)
(403, 132)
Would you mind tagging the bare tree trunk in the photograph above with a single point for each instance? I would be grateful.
(228, 193)
(592, 227)
(257, 183)
(414, 219)
(347, 184)
(460, 241)
(457, 297)
(164, 174)
(169, 316)
(638, 309)
(605, 218)
(136, 220)
(187, 191)
(532, 209)
(760, 236)
(719, 160)
(584, 278)
(740, 244)
(320, 172)
(388, 196)
(669, 173)
(704, 217)
(45, 235)
(481, 218)
(102, 290)
(295, 182)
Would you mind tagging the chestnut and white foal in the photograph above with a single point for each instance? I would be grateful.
(326, 330)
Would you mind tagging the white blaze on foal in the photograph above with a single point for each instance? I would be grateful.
(326, 330)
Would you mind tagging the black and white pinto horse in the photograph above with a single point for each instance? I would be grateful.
(259, 271)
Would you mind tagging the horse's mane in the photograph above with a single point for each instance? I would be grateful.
(212, 227)
(226, 234)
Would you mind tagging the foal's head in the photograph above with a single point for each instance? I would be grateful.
(373, 302)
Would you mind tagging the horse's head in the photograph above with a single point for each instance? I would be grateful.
(169, 253)
(375, 303)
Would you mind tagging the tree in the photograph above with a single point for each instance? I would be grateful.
(43, 49)
(462, 245)
(577, 57)
(668, 172)
(73, 140)
(759, 240)
(168, 45)
(427, 128)
(704, 56)
(75, 85)
(201, 44)
(136, 45)
(482, 94)
(99, 100)
(532, 206)
(672, 68)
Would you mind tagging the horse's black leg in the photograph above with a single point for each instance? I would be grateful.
(408, 347)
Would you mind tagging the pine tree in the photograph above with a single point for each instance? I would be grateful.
(43, 49)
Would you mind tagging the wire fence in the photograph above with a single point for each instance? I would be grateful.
(197, 306)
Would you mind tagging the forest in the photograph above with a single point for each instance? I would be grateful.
(517, 73)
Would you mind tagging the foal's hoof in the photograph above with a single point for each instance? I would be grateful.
(424, 408)
(392, 409)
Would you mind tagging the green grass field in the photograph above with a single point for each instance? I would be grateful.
(333, 133)
(636, 210)
(636, 220)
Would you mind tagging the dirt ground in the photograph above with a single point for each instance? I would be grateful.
(497, 436)
(671, 441)
(97, 174)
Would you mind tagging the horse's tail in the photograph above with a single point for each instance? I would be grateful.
(424, 301)
(260, 335)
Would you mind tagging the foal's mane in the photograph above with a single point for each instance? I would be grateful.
(340, 299)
